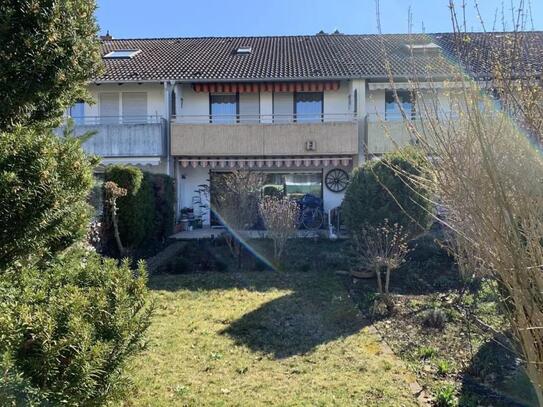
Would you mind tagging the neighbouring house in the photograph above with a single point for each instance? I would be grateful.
(304, 110)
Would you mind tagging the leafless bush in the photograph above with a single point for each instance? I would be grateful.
(235, 201)
(488, 175)
(382, 248)
(280, 216)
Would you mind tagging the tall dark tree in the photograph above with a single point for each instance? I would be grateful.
(49, 49)
(69, 320)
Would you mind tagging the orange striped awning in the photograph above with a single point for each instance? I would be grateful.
(253, 87)
(264, 163)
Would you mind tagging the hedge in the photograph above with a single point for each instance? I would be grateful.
(69, 331)
(164, 195)
(44, 182)
(384, 189)
(146, 213)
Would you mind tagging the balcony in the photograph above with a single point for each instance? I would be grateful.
(264, 135)
(123, 136)
(384, 135)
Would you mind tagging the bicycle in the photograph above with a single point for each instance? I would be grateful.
(311, 215)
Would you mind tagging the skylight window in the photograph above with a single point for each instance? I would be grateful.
(243, 50)
(420, 48)
(123, 53)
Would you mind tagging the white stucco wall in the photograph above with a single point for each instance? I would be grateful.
(195, 105)
(155, 97)
(336, 103)
(266, 106)
(188, 180)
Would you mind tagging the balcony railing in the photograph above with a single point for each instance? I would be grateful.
(123, 136)
(263, 118)
(264, 135)
(97, 120)
(413, 116)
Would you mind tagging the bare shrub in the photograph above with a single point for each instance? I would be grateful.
(488, 172)
(382, 248)
(235, 200)
(280, 216)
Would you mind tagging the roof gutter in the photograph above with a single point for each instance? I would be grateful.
(324, 78)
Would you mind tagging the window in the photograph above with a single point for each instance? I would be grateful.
(423, 48)
(283, 107)
(297, 185)
(96, 196)
(293, 185)
(392, 110)
(243, 50)
(77, 112)
(122, 54)
(223, 108)
(249, 107)
(109, 107)
(134, 107)
(308, 106)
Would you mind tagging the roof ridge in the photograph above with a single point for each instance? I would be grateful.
(317, 35)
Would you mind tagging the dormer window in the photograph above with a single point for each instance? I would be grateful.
(245, 50)
(122, 54)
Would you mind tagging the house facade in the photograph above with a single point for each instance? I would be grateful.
(303, 110)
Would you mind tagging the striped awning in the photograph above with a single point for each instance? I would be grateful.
(264, 163)
(253, 87)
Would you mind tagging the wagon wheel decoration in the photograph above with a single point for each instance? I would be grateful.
(336, 180)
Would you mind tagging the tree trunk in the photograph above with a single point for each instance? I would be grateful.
(116, 232)
(387, 279)
(379, 282)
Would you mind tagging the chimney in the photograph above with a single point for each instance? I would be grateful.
(106, 37)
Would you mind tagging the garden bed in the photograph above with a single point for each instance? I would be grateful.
(454, 360)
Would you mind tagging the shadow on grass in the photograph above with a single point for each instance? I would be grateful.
(315, 309)
(297, 323)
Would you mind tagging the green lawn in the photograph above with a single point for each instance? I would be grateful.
(262, 338)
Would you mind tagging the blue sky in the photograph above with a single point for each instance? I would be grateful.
(196, 18)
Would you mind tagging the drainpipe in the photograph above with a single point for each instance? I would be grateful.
(362, 125)
(168, 110)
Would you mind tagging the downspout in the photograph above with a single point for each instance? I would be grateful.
(168, 110)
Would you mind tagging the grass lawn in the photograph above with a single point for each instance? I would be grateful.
(262, 338)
